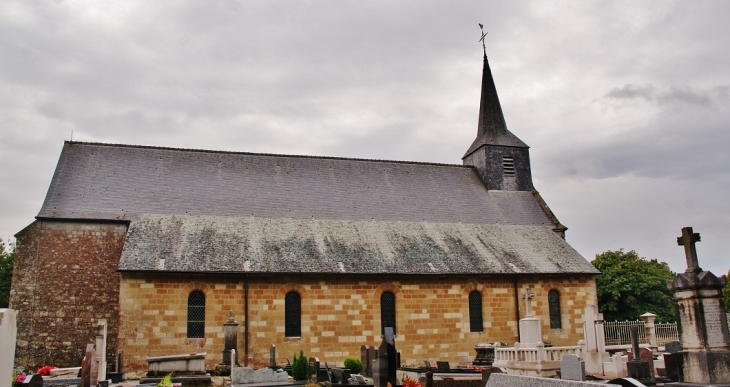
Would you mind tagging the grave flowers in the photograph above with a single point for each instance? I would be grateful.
(45, 370)
(19, 379)
(408, 382)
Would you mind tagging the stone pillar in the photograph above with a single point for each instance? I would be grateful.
(100, 350)
(8, 339)
(230, 339)
(650, 328)
(703, 328)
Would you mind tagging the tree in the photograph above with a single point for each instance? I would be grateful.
(7, 255)
(726, 293)
(630, 286)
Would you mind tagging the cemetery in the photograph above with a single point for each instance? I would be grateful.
(700, 356)
(208, 290)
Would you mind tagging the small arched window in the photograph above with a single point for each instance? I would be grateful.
(292, 314)
(196, 315)
(475, 312)
(387, 311)
(554, 306)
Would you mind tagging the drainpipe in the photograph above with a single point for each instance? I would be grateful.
(517, 309)
(245, 325)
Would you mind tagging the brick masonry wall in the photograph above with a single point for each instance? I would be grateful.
(64, 280)
(338, 315)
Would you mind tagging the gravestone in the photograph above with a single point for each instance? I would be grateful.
(647, 355)
(86, 366)
(703, 325)
(673, 360)
(33, 381)
(637, 368)
(673, 347)
(314, 369)
(373, 358)
(572, 368)
(365, 359)
(385, 370)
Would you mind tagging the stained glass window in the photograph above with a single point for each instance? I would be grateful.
(475, 312)
(292, 314)
(554, 306)
(196, 315)
(387, 311)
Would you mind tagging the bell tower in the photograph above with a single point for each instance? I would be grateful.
(501, 159)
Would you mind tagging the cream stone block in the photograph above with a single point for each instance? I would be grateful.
(338, 307)
(356, 322)
(328, 334)
(279, 302)
(314, 340)
(147, 286)
(500, 291)
(169, 313)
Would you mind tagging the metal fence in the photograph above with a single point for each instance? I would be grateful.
(619, 332)
(666, 333)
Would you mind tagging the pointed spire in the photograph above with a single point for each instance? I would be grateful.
(492, 129)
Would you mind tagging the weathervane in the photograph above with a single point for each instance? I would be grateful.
(482, 38)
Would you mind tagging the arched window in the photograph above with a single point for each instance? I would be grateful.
(387, 311)
(196, 315)
(554, 306)
(292, 314)
(475, 312)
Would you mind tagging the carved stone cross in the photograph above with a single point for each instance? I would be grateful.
(528, 301)
(688, 240)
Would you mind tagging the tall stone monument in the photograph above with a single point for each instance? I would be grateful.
(703, 329)
(530, 328)
(229, 356)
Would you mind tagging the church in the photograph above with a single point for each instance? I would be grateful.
(311, 253)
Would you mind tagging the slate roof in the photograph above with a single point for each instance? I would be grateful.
(121, 182)
(209, 211)
(174, 243)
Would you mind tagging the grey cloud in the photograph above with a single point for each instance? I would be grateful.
(671, 96)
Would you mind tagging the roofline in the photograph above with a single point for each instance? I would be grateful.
(495, 146)
(267, 273)
(259, 154)
(82, 220)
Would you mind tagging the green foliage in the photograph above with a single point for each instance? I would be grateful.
(630, 286)
(354, 364)
(726, 293)
(166, 381)
(7, 255)
(300, 367)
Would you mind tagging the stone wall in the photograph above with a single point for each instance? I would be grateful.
(339, 314)
(64, 280)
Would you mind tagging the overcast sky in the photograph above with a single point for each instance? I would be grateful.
(625, 104)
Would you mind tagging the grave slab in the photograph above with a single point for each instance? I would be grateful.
(507, 380)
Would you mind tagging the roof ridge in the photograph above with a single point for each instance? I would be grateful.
(264, 154)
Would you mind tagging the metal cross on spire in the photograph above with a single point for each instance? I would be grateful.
(484, 46)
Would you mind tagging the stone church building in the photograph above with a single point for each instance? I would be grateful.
(312, 253)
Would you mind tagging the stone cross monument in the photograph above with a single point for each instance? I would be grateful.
(530, 327)
(703, 329)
